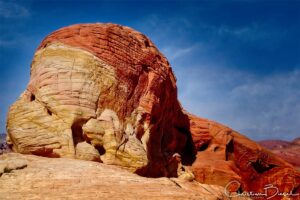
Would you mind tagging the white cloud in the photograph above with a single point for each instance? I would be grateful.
(12, 10)
(260, 107)
(247, 32)
(236, 31)
(173, 53)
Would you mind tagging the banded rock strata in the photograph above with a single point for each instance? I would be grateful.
(104, 92)
(106, 85)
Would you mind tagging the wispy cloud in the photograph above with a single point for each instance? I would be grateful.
(260, 107)
(173, 53)
(252, 33)
(12, 41)
(234, 31)
(4, 43)
(12, 10)
(272, 105)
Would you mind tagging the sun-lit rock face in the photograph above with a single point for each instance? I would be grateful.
(35, 178)
(103, 92)
(224, 156)
(107, 85)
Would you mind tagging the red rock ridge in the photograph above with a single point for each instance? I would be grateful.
(289, 151)
(224, 155)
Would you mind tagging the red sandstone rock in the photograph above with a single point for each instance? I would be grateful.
(228, 156)
(289, 151)
(117, 92)
(114, 78)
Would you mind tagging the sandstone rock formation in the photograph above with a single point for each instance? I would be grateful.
(289, 151)
(106, 88)
(224, 155)
(10, 161)
(62, 178)
(107, 85)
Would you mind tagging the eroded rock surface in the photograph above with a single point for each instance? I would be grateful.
(289, 151)
(62, 178)
(107, 89)
(107, 85)
(224, 156)
(10, 162)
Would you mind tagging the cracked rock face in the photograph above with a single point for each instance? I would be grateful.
(103, 92)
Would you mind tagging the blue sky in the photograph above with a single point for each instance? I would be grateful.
(236, 62)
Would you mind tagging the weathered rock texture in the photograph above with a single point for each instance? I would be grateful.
(289, 151)
(223, 155)
(106, 87)
(63, 178)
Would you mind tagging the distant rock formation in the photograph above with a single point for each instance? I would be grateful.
(104, 92)
(4, 148)
(289, 151)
